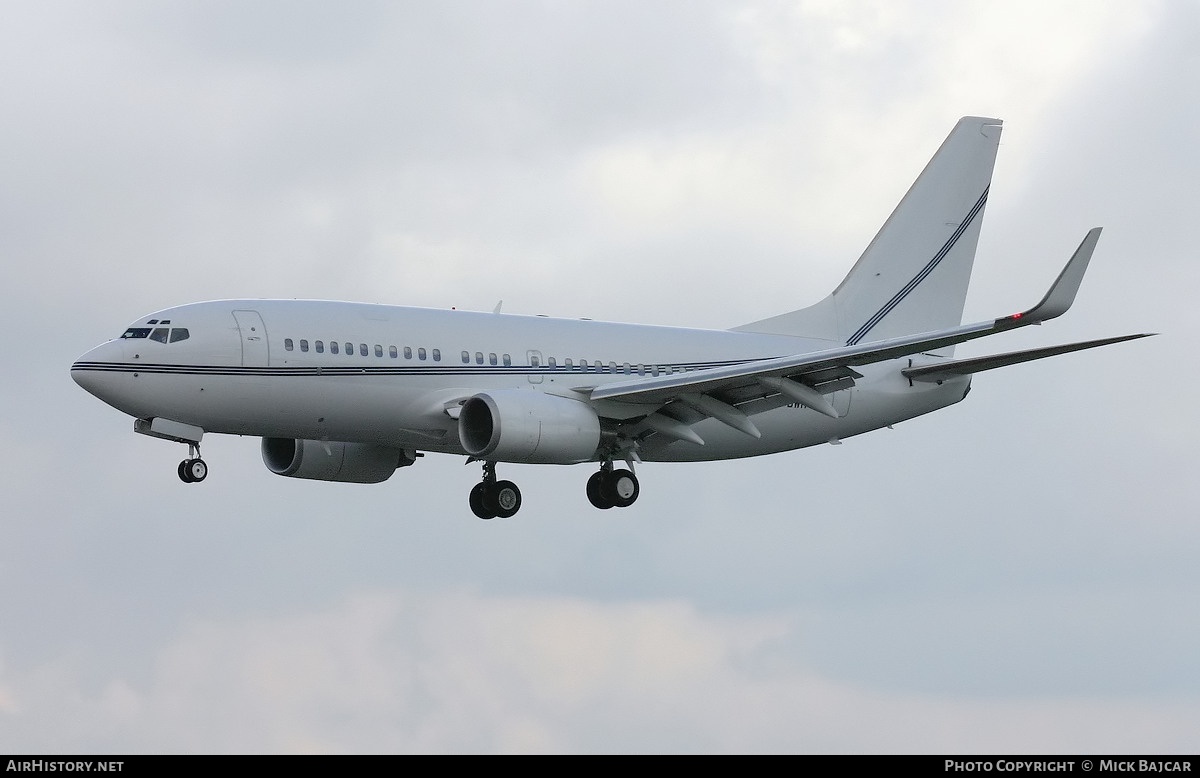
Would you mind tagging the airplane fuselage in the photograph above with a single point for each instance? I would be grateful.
(394, 375)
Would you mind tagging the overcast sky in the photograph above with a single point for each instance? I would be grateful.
(1014, 574)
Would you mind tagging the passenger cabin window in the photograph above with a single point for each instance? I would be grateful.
(551, 363)
(392, 352)
(437, 355)
(362, 349)
(378, 350)
(319, 346)
(349, 349)
(492, 360)
(287, 344)
(466, 357)
(507, 361)
(421, 354)
(333, 347)
(408, 352)
(159, 334)
(304, 346)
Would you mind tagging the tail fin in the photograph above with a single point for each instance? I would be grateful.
(913, 276)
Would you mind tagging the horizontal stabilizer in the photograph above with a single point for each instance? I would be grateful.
(957, 367)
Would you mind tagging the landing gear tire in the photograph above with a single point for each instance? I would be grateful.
(622, 488)
(505, 498)
(596, 491)
(613, 489)
(479, 503)
(192, 471)
(491, 498)
(198, 470)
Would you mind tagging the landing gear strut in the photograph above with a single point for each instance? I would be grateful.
(491, 498)
(193, 470)
(612, 488)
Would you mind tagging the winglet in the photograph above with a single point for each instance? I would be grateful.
(1058, 300)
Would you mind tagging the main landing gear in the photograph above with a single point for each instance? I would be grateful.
(612, 488)
(193, 470)
(491, 498)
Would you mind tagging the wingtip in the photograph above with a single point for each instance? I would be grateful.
(1062, 293)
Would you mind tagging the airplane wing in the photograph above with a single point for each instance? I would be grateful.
(801, 377)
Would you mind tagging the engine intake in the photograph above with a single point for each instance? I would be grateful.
(525, 425)
(360, 463)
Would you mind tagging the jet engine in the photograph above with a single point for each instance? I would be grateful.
(525, 425)
(360, 463)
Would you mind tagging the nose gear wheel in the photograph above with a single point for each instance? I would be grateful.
(192, 470)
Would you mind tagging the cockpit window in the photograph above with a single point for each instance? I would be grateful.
(159, 334)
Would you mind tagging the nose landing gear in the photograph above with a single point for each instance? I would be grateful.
(193, 470)
(611, 488)
(491, 498)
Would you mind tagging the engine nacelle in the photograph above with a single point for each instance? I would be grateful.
(525, 425)
(360, 463)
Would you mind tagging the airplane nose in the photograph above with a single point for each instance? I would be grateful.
(90, 380)
(96, 371)
(81, 376)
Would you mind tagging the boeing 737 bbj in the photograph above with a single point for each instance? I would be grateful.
(351, 392)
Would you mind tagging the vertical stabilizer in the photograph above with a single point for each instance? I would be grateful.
(913, 276)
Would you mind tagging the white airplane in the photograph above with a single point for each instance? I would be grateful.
(351, 392)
